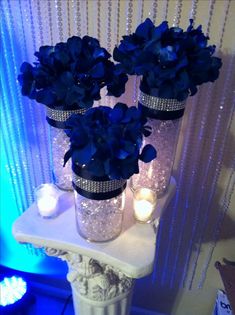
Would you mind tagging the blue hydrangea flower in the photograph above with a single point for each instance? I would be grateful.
(70, 75)
(171, 61)
(108, 141)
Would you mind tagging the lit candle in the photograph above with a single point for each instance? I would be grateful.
(47, 200)
(144, 204)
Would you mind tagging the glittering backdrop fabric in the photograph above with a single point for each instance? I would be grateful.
(201, 214)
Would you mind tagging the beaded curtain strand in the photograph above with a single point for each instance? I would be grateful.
(220, 101)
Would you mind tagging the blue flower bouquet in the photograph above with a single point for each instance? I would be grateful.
(172, 64)
(67, 79)
(105, 148)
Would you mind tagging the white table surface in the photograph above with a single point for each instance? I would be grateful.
(132, 252)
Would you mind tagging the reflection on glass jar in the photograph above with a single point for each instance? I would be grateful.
(59, 146)
(156, 174)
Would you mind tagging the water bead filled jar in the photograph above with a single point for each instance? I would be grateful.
(99, 220)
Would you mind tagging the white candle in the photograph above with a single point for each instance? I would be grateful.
(47, 196)
(47, 206)
(144, 204)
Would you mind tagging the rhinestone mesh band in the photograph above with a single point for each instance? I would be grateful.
(97, 187)
(157, 103)
(62, 115)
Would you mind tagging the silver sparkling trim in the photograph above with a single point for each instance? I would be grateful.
(62, 115)
(157, 103)
(97, 187)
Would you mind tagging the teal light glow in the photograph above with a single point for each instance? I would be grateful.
(12, 290)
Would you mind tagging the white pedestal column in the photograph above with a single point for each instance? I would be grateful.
(101, 275)
(98, 288)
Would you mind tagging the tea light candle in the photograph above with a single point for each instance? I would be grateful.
(47, 196)
(144, 204)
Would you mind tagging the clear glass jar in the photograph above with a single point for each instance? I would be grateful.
(59, 146)
(156, 174)
(99, 220)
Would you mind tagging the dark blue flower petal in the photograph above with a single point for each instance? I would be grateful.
(190, 27)
(67, 79)
(115, 170)
(62, 58)
(148, 153)
(118, 55)
(116, 114)
(116, 83)
(129, 147)
(97, 71)
(167, 55)
(75, 121)
(100, 53)
(74, 95)
(74, 46)
(45, 55)
(131, 114)
(46, 97)
(96, 167)
(159, 30)
(79, 137)
(144, 29)
(122, 154)
(26, 67)
(85, 154)
(129, 167)
(121, 106)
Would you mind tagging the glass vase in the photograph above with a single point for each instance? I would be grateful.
(99, 205)
(99, 220)
(164, 117)
(60, 144)
(156, 174)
